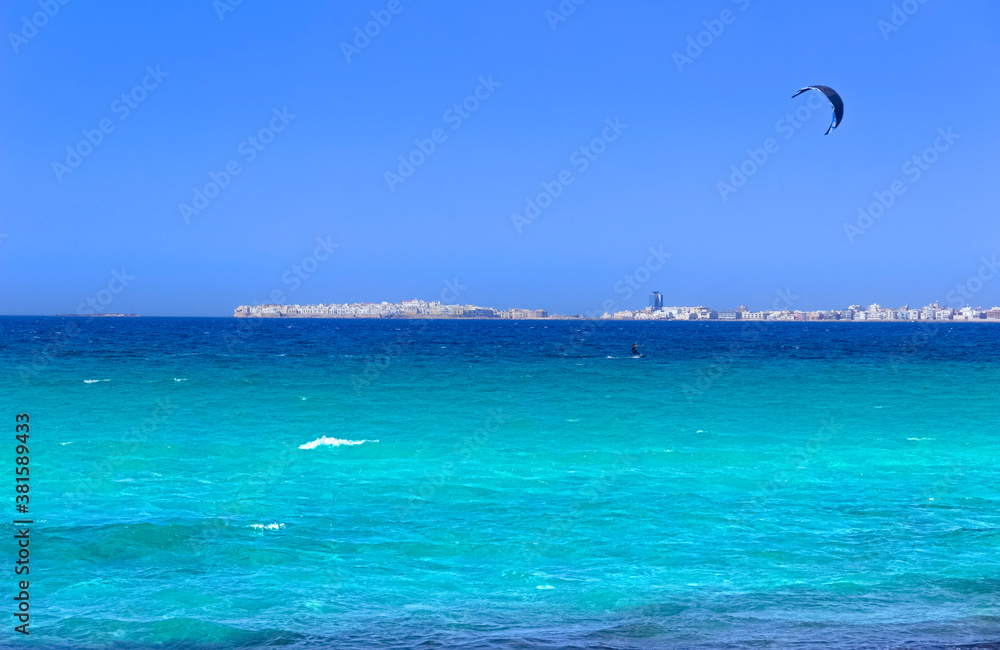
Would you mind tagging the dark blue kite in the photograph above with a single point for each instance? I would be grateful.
(835, 100)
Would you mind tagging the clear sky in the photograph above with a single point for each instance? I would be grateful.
(330, 120)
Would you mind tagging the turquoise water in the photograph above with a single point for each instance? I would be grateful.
(506, 484)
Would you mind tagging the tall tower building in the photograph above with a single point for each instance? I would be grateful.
(655, 301)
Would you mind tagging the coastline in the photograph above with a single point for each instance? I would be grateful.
(607, 320)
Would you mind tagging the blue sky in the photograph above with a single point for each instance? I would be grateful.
(686, 115)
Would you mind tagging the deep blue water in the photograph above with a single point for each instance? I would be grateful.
(506, 484)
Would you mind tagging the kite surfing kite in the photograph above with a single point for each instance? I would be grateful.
(835, 100)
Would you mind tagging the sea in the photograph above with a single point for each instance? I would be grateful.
(307, 483)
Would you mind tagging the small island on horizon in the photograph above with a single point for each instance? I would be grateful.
(97, 315)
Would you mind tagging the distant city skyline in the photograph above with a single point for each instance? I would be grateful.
(783, 309)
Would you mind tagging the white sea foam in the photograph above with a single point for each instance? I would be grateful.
(544, 587)
(920, 438)
(94, 381)
(335, 442)
(267, 526)
(176, 379)
(65, 443)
